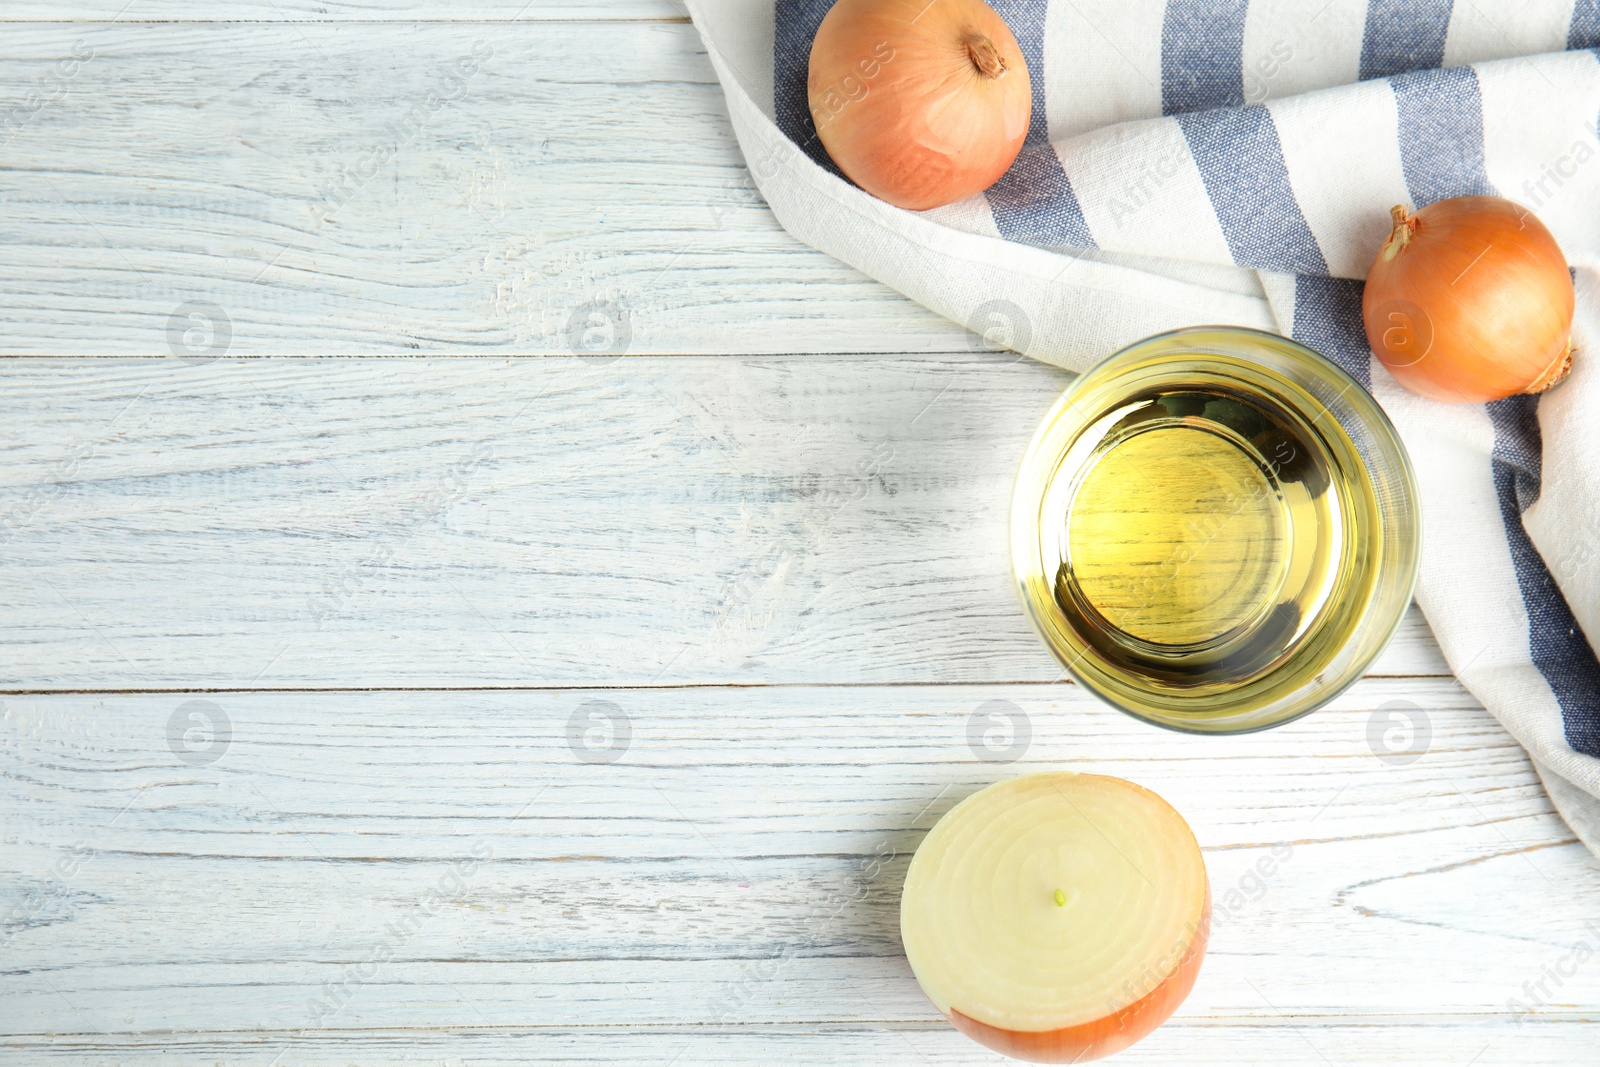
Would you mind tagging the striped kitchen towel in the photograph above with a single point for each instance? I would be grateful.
(1206, 161)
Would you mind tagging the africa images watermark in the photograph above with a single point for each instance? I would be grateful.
(1152, 974)
(1252, 885)
(50, 88)
(33, 905)
(336, 994)
(1399, 733)
(1259, 75)
(825, 913)
(199, 332)
(199, 732)
(999, 732)
(38, 496)
(1554, 175)
(599, 328)
(452, 88)
(1156, 581)
(743, 589)
(599, 732)
(851, 88)
(744, 190)
(1139, 189)
(762, 971)
(338, 592)
(1146, 179)
(999, 326)
(38, 905)
(1540, 992)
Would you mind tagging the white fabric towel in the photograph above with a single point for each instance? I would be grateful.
(1234, 161)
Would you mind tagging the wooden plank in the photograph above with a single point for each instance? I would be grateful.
(341, 11)
(448, 861)
(513, 188)
(563, 522)
(1226, 1043)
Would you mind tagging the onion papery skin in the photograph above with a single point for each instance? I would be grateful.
(1057, 917)
(1115, 1032)
(1470, 300)
(902, 102)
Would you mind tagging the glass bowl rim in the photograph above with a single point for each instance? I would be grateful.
(1387, 440)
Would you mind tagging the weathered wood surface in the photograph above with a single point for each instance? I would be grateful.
(781, 558)
(342, 189)
(359, 523)
(128, 11)
(737, 864)
(1222, 1042)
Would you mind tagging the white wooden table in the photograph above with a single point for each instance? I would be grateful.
(570, 701)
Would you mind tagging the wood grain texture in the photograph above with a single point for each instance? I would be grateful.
(348, 189)
(129, 11)
(1310, 1042)
(779, 562)
(648, 521)
(737, 865)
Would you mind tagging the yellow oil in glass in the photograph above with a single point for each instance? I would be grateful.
(1177, 537)
(1206, 536)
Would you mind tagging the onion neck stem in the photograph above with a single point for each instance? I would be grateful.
(985, 57)
(1405, 227)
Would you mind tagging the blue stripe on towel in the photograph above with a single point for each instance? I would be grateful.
(1584, 32)
(1441, 134)
(1403, 35)
(1441, 150)
(1555, 643)
(1033, 202)
(795, 27)
(1026, 21)
(1202, 55)
(1327, 317)
(1241, 162)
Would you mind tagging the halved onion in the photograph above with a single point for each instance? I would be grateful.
(1057, 917)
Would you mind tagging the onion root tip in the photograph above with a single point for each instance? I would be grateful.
(1555, 374)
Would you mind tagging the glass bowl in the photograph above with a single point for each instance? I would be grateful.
(1215, 530)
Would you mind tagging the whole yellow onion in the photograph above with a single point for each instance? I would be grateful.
(1470, 300)
(920, 103)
